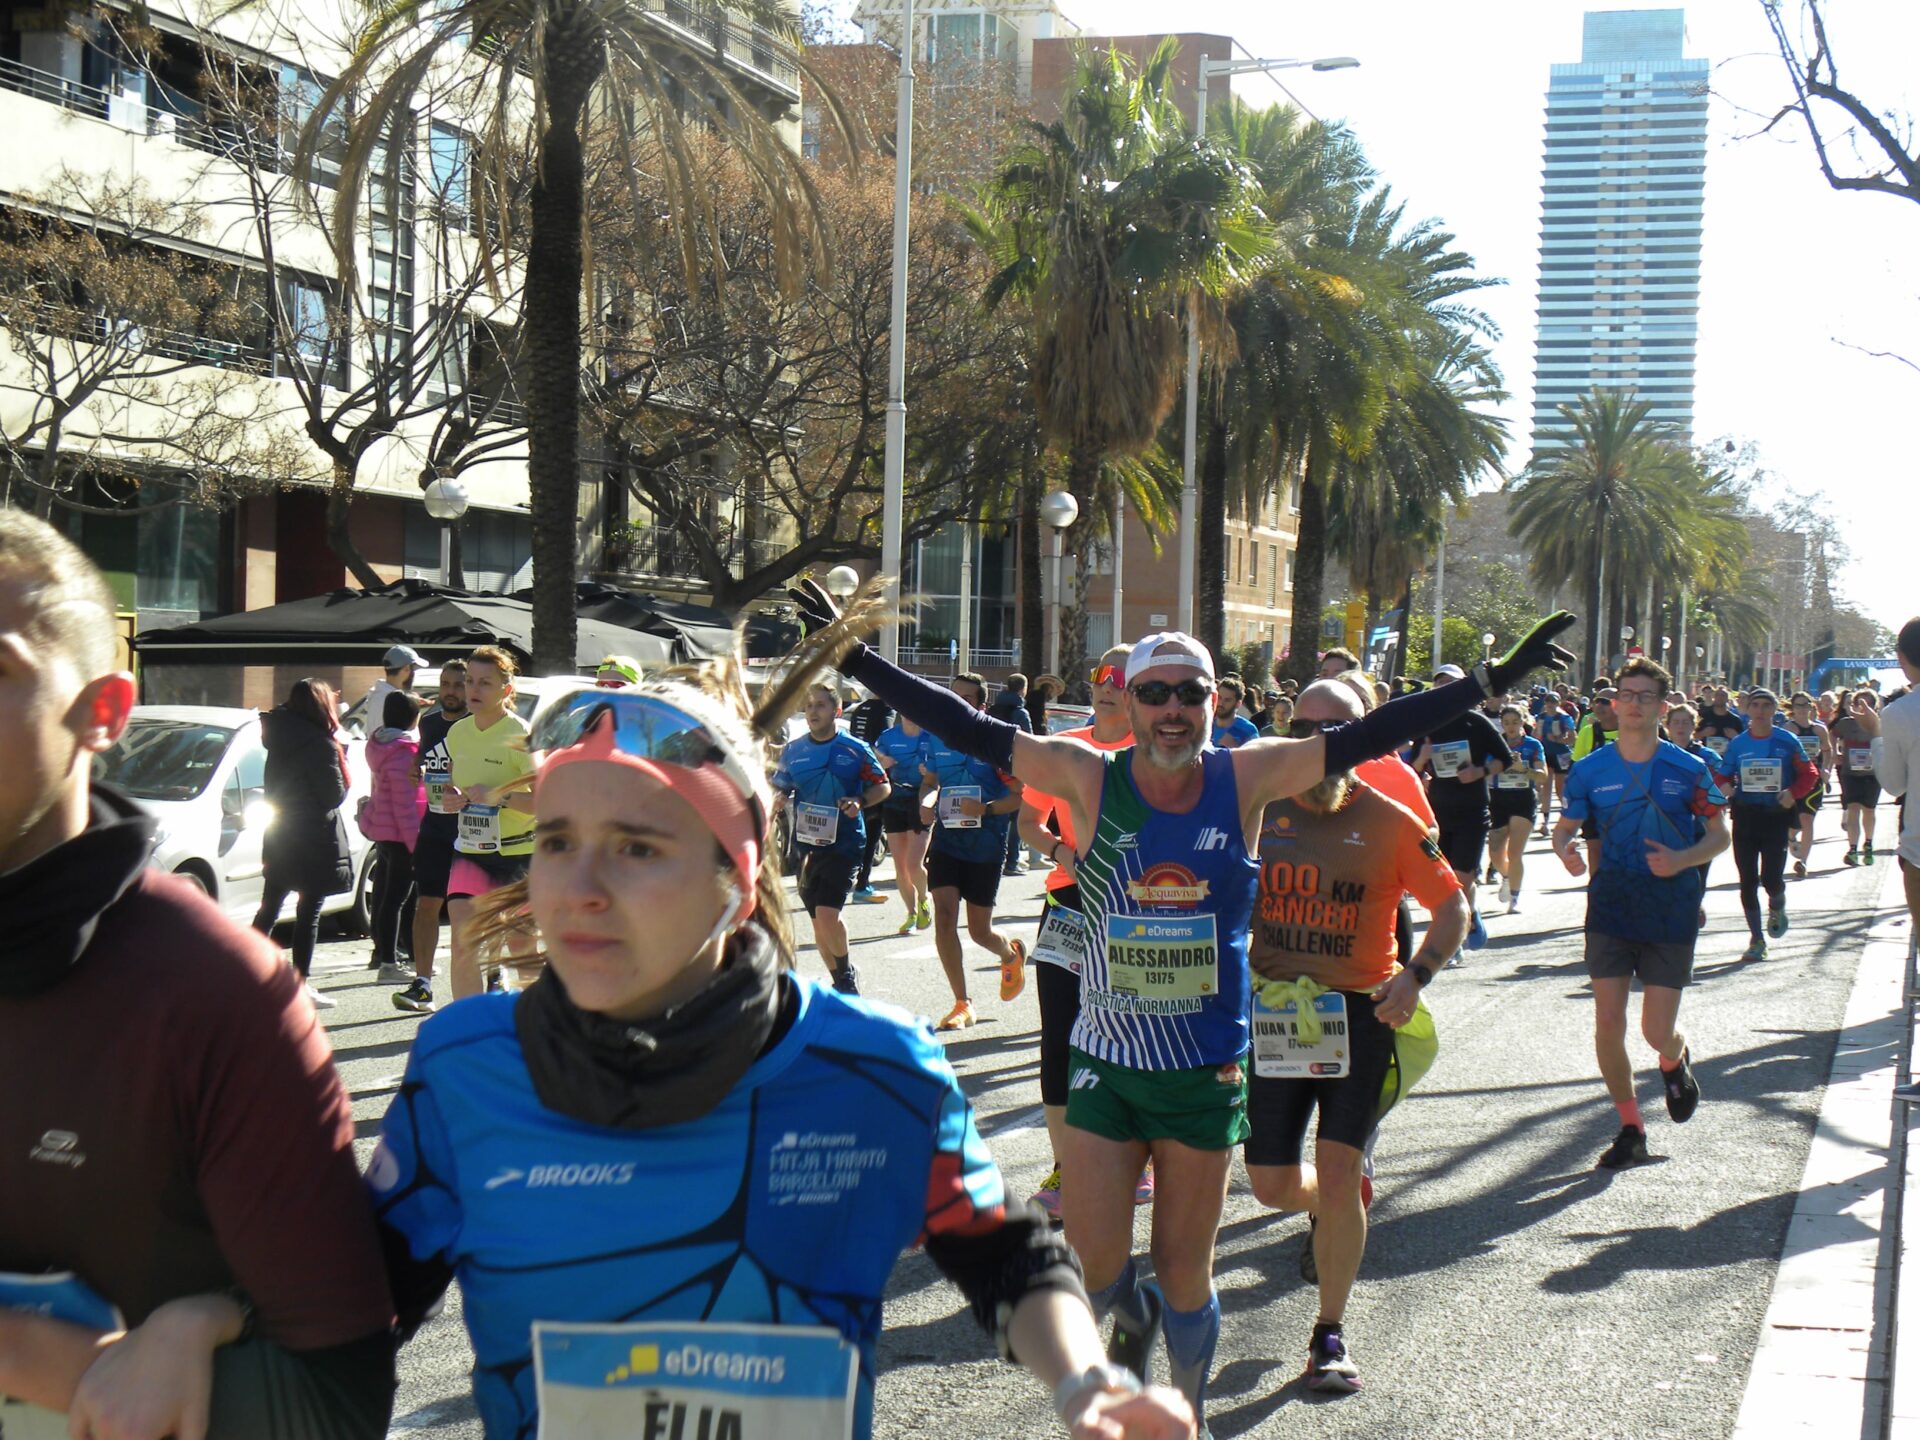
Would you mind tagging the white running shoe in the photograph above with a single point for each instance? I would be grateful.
(1513, 905)
(319, 1000)
(1506, 890)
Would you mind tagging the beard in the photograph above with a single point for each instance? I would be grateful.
(1161, 758)
(1330, 793)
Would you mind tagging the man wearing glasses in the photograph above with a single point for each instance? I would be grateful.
(1657, 813)
(1167, 872)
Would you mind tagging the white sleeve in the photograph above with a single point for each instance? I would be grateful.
(1893, 755)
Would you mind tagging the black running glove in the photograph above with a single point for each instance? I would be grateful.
(1535, 651)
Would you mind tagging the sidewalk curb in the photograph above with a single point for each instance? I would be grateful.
(1821, 1367)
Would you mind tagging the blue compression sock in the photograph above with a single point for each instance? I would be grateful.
(1122, 1297)
(1191, 1337)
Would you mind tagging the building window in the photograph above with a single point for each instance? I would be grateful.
(1289, 570)
(300, 95)
(1253, 562)
(451, 157)
(307, 328)
(1273, 575)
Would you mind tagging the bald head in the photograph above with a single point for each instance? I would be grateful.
(1329, 700)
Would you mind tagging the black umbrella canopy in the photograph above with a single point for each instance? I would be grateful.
(701, 632)
(355, 627)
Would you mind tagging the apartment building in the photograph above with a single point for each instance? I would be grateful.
(201, 430)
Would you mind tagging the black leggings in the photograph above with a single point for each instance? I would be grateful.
(874, 837)
(306, 922)
(1760, 855)
(394, 898)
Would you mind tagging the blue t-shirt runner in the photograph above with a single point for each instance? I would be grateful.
(818, 775)
(962, 777)
(1758, 769)
(1666, 799)
(1239, 730)
(908, 753)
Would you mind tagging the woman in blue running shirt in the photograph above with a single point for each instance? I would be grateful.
(672, 1176)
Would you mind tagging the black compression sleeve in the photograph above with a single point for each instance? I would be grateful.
(996, 1270)
(1396, 723)
(262, 1392)
(934, 708)
(418, 1285)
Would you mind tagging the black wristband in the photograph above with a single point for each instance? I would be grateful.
(1421, 974)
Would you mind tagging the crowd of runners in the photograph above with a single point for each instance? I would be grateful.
(669, 1173)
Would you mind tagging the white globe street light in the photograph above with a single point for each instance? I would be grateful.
(446, 500)
(1059, 510)
(842, 581)
(1486, 643)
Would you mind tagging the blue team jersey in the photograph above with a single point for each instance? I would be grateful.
(822, 773)
(1556, 731)
(1159, 891)
(908, 753)
(1239, 730)
(957, 772)
(1758, 770)
(845, 1144)
(1666, 799)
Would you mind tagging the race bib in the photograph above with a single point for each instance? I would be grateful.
(1860, 761)
(816, 824)
(722, 1382)
(1514, 779)
(1450, 757)
(1715, 743)
(1062, 939)
(1563, 761)
(1280, 1054)
(950, 798)
(60, 1296)
(437, 770)
(1810, 744)
(1761, 777)
(1152, 957)
(479, 830)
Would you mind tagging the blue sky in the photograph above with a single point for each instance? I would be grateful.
(1449, 101)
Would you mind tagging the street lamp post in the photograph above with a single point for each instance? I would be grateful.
(446, 500)
(963, 659)
(893, 485)
(1058, 510)
(1486, 645)
(1189, 496)
(1119, 556)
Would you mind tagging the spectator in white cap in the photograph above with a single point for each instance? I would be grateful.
(398, 666)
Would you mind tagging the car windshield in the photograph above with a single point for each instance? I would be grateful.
(163, 759)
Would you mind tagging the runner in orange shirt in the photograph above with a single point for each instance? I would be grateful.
(1334, 865)
(1058, 951)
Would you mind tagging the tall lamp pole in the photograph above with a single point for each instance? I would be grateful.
(1059, 510)
(893, 487)
(1189, 496)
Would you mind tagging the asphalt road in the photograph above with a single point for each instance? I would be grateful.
(1509, 1288)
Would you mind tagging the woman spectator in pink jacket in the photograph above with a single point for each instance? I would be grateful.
(392, 822)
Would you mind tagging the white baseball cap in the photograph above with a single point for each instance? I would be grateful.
(1169, 647)
(1451, 672)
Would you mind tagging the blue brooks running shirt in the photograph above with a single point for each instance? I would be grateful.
(1146, 871)
(825, 772)
(986, 841)
(1666, 799)
(788, 1204)
(908, 753)
(1758, 770)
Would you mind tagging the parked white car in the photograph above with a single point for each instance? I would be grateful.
(201, 771)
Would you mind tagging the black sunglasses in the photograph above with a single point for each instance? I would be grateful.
(1307, 729)
(1158, 692)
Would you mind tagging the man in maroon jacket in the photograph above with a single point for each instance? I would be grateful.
(175, 1137)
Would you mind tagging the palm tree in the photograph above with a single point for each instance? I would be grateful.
(1614, 494)
(1109, 223)
(546, 61)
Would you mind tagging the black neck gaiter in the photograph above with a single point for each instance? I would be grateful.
(53, 904)
(642, 1075)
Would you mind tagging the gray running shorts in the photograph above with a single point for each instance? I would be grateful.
(1656, 962)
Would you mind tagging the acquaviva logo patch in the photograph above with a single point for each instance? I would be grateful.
(1168, 886)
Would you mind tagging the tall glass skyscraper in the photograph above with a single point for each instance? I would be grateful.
(1625, 177)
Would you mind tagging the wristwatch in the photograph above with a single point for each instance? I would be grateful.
(1074, 1391)
(1421, 973)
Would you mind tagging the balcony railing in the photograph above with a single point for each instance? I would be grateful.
(728, 37)
(55, 90)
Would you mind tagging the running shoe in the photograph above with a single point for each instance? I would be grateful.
(870, 895)
(1505, 893)
(395, 973)
(1756, 951)
(906, 925)
(960, 1017)
(1476, 933)
(1866, 855)
(1513, 905)
(1309, 1265)
(1852, 857)
(1629, 1148)
(1143, 1187)
(1330, 1367)
(1683, 1091)
(924, 918)
(1455, 960)
(1776, 920)
(847, 980)
(1013, 972)
(1131, 1346)
(320, 1001)
(1799, 869)
(1047, 1197)
(417, 997)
